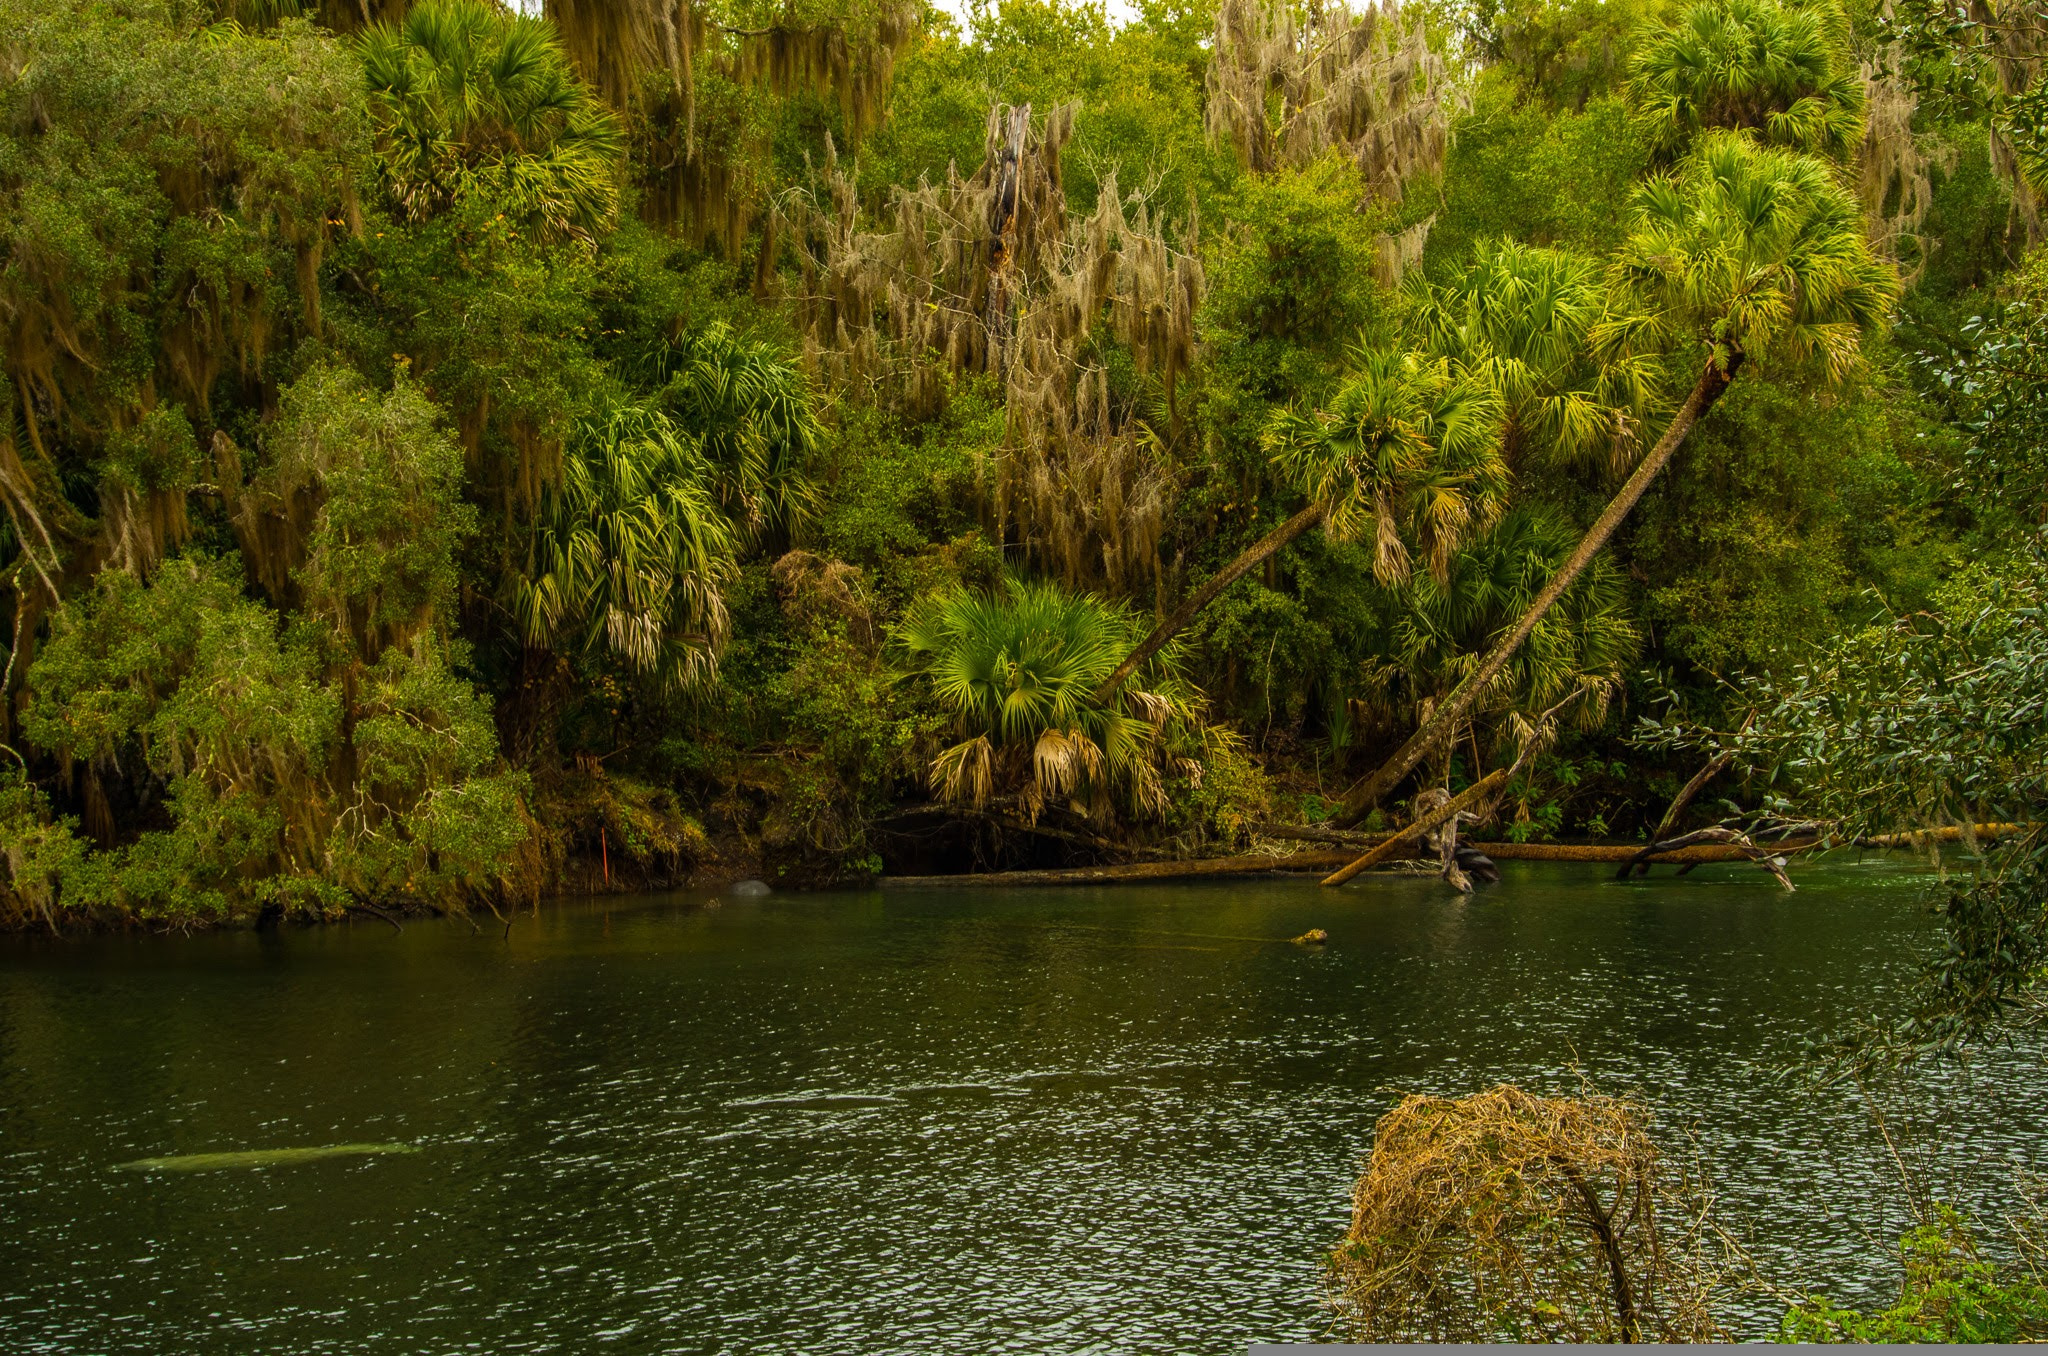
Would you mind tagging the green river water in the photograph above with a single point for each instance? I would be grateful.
(1106, 1120)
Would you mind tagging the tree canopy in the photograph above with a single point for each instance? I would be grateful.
(444, 441)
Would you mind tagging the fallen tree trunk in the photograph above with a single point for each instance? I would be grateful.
(1696, 854)
(1249, 865)
(1952, 833)
(1140, 871)
(1000, 815)
(1471, 795)
(1699, 854)
(1201, 597)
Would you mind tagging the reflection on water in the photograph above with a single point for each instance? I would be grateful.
(1045, 1121)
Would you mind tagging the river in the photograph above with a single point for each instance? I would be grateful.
(1059, 1121)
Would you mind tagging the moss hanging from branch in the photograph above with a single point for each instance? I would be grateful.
(1895, 173)
(991, 275)
(685, 78)
(1284, 90)
(168, 200)
(851, 63)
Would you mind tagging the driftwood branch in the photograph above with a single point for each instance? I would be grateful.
(1722, 833)
(1714, 768)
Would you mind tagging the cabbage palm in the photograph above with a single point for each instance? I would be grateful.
(470, 98)
(1745, 252)
(1523, 317)
(1581, 644)
(1019, 669)
(630, 554)
(751, 410)
(1407, 451)
(1781, 71)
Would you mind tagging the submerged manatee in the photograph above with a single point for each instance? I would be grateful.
(750, 889)
(259, 1158)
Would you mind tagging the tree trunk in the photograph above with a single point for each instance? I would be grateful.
(1254, 555)
(1454, 709)
(1423, 823)
(1141, 871)
(1714, 768)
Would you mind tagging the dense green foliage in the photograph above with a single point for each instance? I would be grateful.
(1951, 1293)
(444, 442)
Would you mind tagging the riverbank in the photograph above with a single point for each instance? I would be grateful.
(1281, 851)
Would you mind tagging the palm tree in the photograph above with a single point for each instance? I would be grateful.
(469, 98)
(1781, 71)
(1524, 316)
(751, 410)
(1581, 645)
(1408, 450)
(630, 555)
(1019, 669)
(1745, 252)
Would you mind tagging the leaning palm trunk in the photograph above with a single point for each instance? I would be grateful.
(1452, 710)
(1253, 555)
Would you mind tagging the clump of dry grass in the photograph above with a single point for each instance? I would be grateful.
(1505, 1216)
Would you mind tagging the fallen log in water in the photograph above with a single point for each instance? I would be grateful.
(1952, 833)
(1254, 864)
(1140, 871)
(1315, 833)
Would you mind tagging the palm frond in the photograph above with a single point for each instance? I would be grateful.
(1018, 670)
(630, 552)
(1407, 450)
(469, 97)
(1781, 71)
(1761, 248)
